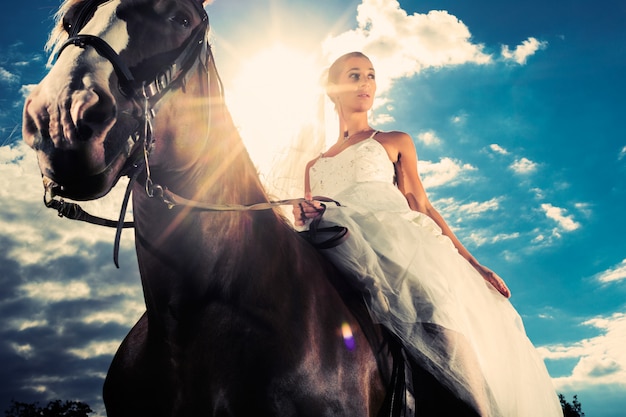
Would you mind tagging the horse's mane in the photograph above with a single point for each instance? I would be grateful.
(58, 35)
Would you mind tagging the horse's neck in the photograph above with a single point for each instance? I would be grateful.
(184, 254)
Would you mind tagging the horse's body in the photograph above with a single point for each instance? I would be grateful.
(241, 317)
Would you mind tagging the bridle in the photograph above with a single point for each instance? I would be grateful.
(195, 49)
(145, 95)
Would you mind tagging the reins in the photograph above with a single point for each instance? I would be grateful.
(73, 211)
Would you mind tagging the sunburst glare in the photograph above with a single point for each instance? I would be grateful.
(272, 98)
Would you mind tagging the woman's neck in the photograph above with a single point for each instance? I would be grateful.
(351, 126)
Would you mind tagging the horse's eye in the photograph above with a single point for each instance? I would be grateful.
(182, 20)
(67, 25)
(69, 20)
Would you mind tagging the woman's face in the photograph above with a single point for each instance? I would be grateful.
(355, 87)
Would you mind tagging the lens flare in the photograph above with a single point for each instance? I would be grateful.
(348, 338)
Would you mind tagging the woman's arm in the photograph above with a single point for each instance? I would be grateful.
(401, 149)
(309, 209)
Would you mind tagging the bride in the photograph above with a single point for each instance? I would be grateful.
(451, 313)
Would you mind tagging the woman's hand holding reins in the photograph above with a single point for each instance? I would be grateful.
(306, 210)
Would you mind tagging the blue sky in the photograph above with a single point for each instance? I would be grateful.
(516, 109)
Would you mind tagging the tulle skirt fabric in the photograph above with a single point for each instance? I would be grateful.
(448, 317)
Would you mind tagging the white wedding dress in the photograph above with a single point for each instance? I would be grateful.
(417, 284)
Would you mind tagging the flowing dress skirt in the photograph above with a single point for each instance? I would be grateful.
(450, 320)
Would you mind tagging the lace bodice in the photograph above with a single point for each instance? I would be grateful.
(365, 161)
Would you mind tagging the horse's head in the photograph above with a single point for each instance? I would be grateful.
(88, 117)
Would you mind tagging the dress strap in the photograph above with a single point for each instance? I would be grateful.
(374, 133)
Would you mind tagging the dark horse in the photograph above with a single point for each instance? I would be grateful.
(241, 316)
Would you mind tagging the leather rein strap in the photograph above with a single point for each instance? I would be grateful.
(73, 211)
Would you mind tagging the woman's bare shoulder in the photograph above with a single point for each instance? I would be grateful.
(396, 142)
(394, 136)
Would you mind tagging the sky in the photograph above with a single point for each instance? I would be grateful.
(516, 110)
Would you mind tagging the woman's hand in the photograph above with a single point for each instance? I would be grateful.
(495, 280)
(305, 211)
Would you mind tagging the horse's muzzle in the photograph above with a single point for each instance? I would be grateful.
(80, 140)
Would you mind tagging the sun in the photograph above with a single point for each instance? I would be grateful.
(273, 97)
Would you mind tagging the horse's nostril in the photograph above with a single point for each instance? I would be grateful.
(102, 111)
(94, 114)
(83, 130)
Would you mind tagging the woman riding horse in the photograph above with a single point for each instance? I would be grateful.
(243, 317)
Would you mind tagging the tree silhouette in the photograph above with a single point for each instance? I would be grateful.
(53, 409)
(571, 410)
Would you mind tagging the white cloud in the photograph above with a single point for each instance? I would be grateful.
(521, 53)
(557, 214)
(429, 138)
(505, 236)
(446, 171)
(23, 324)
(498, 149)
(538, 192)
(457, 214)
(478, 238)
(485, 237)
(459, 119)
(539, 238)
(57, 291)
(8, 77)
(523, 166)
(601, 360)
(379, 119)
(622, 154)
(452, 209)
(95, 349)
(616, 273)
(24, 350)
(476, 207)
(126, 314)
(402, 45)
(26, 89)
(584, 209)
